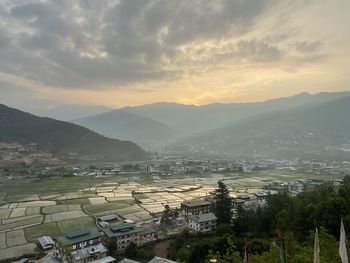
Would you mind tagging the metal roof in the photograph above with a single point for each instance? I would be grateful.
(108, 217)
(203, 217)
(107, 259)
(160, 260)
(46, 242)
(78, 236)
(196, 203)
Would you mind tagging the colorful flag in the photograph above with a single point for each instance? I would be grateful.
(316, 248)
(342, 245)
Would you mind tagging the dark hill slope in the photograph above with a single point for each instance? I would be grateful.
(63, 138)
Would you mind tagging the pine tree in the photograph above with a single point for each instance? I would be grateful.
(223, 205)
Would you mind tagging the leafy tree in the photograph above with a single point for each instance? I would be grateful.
(131, 251)
(223, 229)
(112, 245)
(223, 205)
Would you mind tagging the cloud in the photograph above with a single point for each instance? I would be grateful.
(101, 44)
(146, 45)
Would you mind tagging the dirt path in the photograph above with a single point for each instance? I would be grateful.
(160, 248)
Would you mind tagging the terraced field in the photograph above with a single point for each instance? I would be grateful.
(54, 206)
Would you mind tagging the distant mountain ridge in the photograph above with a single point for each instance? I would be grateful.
(158, 124)
(68, 112)
(190, 119)
(63, 138)
(312, 131)
(126, 125)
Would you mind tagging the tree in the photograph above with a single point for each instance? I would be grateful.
(131, 251)
(223, 205)
(112, 245)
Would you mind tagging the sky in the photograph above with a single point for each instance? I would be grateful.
(132, 52)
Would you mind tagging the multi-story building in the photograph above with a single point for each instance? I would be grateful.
(125, 234)
(195, 207)
(82, 246)
(202, 222)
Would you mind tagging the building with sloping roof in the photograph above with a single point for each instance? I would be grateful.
(89, 253)
(195, 207)
(125, 260)
(160, 260)
(147, 234)
(107, 259)
(46, 242)
(79, 238)
(125, 234)
(202, 222)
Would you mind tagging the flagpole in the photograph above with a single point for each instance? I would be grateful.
(316, 248)
(342, 244)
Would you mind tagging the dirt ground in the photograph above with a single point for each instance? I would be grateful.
(160, 248)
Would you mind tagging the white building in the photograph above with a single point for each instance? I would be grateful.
(202, 222)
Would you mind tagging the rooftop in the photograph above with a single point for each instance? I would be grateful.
(108, 217)
(195, 203)
(203, 217)
(121, 229)
(46, 242)
(107, 259)
(88, 251)
(160, 260)
(125, 260)
(77, 236)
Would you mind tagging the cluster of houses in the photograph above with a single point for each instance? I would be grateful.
(87, 245)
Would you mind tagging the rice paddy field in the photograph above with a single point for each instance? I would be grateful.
(57, 205)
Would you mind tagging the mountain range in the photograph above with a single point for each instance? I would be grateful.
(63, 138)
(158, 124)
(311, 131)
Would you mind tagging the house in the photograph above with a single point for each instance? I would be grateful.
(84, 245)
(195, 207)
(147, 234)
(160, 260)
(91, 254)
(79, 238)
(106, 220)
(125, 234)
(202, 222)
(46, 242)
(107, 259)
(125, 260)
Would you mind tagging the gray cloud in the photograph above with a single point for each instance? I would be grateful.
(95, 44)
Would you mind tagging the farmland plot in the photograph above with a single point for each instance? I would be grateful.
(15, 238)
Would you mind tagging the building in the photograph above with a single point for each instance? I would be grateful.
(195, 207)
(125, 260)
(125, 234)
(160, 260)
(147, 234)
(91, 254)
(202, 222)
(46, 242)
(79, 238)
(84, 245)
(106, 220)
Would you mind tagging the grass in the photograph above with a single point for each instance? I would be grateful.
(55, 209)
(69, 225)
(34, 232)
(76, 201)
(100, 208)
